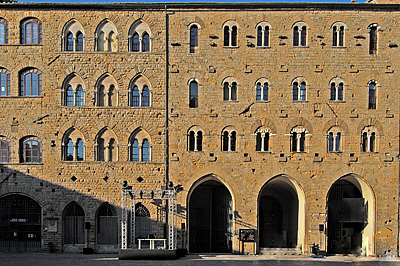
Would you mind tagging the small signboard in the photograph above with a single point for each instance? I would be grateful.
(247, 235)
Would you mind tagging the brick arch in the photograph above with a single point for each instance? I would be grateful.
(299, 121)
(370, 122)
(335, 122)
(264, 122)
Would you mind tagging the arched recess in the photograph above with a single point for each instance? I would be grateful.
(210, 216)
(281, 214)
(351, 217)
(107, 225)
(20, 223)
(74, 224)
(106, 146)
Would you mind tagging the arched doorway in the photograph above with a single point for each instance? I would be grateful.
(210, 218)
(20, 224)
(107, 225)
(281, 214)
(74, 224)
(350, 227)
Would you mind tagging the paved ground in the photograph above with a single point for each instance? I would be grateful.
(46, 259)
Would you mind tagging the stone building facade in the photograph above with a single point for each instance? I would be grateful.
(282, 118)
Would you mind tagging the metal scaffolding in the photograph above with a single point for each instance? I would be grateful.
(128, 199)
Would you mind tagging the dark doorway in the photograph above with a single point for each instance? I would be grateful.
(210, 218)
(278, 214)
(346, 218)
(20, 224)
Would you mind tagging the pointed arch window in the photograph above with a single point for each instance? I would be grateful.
(139, 38)
(72, 36)
(106, 91)
(70, 41)
(140, 146)
(106, 37)
(135, 97)
(146, 42)
(106, 146)
(135, 43)
(139, 94)
(145, 151)
(135, 151)
(79, 41)
(73, 149)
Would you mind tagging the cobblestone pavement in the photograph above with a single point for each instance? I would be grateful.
(46, 259)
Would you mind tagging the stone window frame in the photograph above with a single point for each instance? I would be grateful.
(373, 29)
(75, 136)
(229, 82)
(109, 83)
(335, 89)
(298, 82)
(140, 82)
(22, 88)
(3, 31)
(369, 139)
(106, 30)
(23, 151)
(229, 28)
(263, 139)
(75, 28)
(76, 83)
(140, 28)
(229, 139)
(339, 34)
(194, 45)
(298, 139)
(300, 34)
(261, 28)
(139, 135)
(195, 102)
(334, 140)
(195, 135)
(108, 137)
(262, 82)
(5, 73)
(38, 31)
(5, 140)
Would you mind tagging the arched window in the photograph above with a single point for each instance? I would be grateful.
(229, 139)
(300, 34)
(230, 33)
(70, 96)
(3, 31)
(106, 146)
(194, 41)
(334, 139)
(5, 145)
(140, 146)
(263, 29)
(338, 29)
(31, 31)
(299, 90)
(195, 139)
(372, 95)
(107, 225)
(373, 38)
(31, 150)
(72, 91)
(193, 94)
(368, 139)
(70, 41)
(139, 92)
(106, 40)
(262, 90)
(72, 146)
(79, 41)
(262, 139)
(337, 86)
(4, 82)
(142, 221)
(298, 139)
(30, 82)
(106, 92)
(74, 224)
(139, 38)
(230, 89)
(79, 96)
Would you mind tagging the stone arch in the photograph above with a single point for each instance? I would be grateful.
(264, 122)
(336, 122)
(299, 121)
(370, 122)
(298, 230)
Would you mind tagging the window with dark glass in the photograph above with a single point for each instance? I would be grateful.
(336, 91)
(31, 31)
(226, 91)
(5, 150)
(226, 36)
(364, 142)
(70, 96)
(193, 95)
(145, 42)
(373, 39)
(372, 96)
(3, 31)
(70, 42)
(299, 92)
(229, 141)
(263, 36)
(225, 141)
(31, 83)
(31, 151)
(296, 36)
(4, 82)
(145, 96)
(334, 141)
(338, 36)
(79, 41)
(135, 43)
(79, 150)
(234, 91)
(135, 97)
(135, 151)
(234, 36)
(192, 141)
(262, 92)
(262, 141)
(145, 151)
(70, 151)
(194, 42)
(79, 96)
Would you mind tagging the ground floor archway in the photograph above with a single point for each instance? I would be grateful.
(281, 214)
(350, 218)
(210, 218)
(20, 224)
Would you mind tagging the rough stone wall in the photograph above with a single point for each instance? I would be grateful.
(96, 182)
(245, 171)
